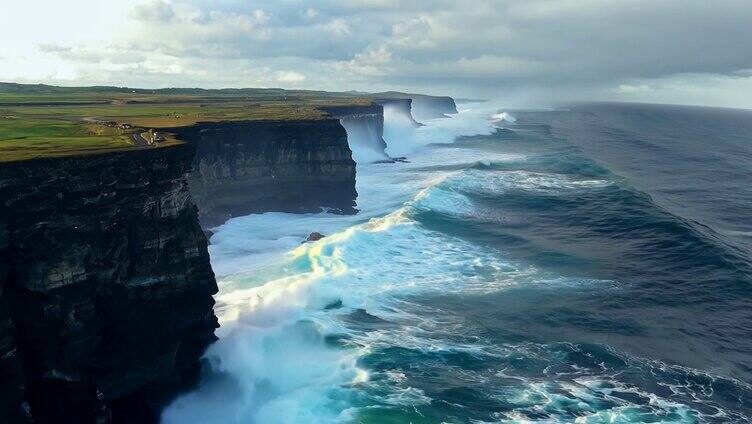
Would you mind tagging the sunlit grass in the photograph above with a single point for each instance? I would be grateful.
(27, 138)
(39, 124)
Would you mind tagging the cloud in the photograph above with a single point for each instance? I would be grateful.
(580, 48)
(338, 27)
(53, 48)
(413, 33)
(290, 77)
(154, 11)
(628, 88)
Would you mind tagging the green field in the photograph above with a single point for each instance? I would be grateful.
(41, 121)
(30, 137)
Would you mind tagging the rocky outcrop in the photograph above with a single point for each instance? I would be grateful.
(314, 236)
(262, 166)
(106, 291)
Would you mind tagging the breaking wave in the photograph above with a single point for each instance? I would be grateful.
(502, 117)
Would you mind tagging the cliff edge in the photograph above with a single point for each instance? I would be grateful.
(262, 166)
(106, 287)
(424, 107)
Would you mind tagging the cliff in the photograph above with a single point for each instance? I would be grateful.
(402, 108)
(105, 282)
(423, 106)
(105, 286)
(261, 166)
(364, 125)
(12, 389)
(429, 107)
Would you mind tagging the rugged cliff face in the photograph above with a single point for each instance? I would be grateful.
(13, 408)
(261, 166)
(106, 288)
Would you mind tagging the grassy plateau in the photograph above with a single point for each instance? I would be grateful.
(42, 121)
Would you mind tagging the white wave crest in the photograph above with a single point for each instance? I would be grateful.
(502, 117)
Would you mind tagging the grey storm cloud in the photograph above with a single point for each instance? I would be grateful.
(476, 46)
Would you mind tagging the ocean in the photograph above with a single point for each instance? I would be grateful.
(583, 265)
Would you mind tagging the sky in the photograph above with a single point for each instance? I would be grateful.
(526, 52)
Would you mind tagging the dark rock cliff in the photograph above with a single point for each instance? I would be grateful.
(261, 166)
(105, 286)
(13, 408)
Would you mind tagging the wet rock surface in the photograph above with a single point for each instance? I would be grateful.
(314, 236)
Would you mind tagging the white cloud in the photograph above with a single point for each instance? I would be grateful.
(290, 77)
(413, 33)
(628, 88)
(338, 27)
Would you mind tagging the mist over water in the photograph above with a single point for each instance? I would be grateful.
(502, 275)
(364, 137)
(399, 132)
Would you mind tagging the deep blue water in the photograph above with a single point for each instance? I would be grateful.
(589, 265)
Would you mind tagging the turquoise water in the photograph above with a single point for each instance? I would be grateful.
(589, 265)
